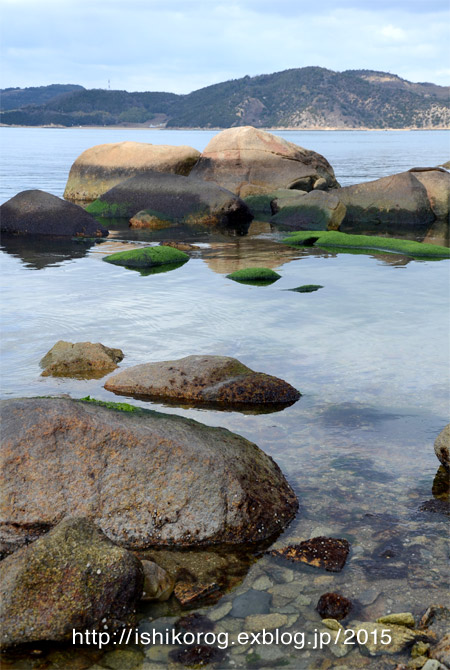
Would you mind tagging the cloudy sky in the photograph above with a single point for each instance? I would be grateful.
(183, 45)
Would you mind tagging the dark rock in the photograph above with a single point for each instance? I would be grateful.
(306, 288)
(172, 198)
(333, 606)
(40, 213)
(71, 578)
(441, 483)
(195, 623)
(317, 210)
(321, 552)
(146, 478)
(251, 602)
(197, 656)
(384, 569)
(219, 380)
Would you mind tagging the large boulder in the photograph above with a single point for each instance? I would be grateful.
(390, 204)
(84, 359)
(317, 210)
(442, 446)
(437, 185)
(100, 168)
(70, 579)
(205, 379)
(249, 161)
(40, 213)
(145, 478)
(171, 198)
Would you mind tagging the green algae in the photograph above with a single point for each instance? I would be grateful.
(147, 257)
(306, 288)
(100, 208)
(120, 406)
(260, 203)
(257, 276)
(365, 243)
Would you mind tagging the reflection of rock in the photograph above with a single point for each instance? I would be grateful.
(250, 161)
(145, 478)
(70, 579)
(442, 446)
(215, 379)
(438, 233)
(80, 359)
(246, 252)
(100, 168)
(39, 213)
(40, 252)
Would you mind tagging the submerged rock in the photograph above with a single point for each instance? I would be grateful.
(39, 213)
(442, 446)
(204, 379)
(72, 578)
(317, 210)
(187, 593)
(158, 584)
(399, 619)
(373, 642)
(321, 552)
(441, 652)
(306, 288)
(249, 161)
(85, 359)
(333, 606)
(100, 168)
(172, 199)
(145, 478)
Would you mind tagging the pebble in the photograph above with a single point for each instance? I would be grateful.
(218, 613)
(268, 621)
(251, 602)
(263, 583)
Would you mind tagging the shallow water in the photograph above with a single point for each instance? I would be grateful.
(369, 352)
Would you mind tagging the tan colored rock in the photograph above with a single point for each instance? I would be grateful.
(158, 584)
(437, 184)
(256, 622)
(100, 168)
(144, 478)
(375, 642)
(398, 618)
(203, 379)
(442, 446)
(249, 161)
(83, 359)
(441, 652)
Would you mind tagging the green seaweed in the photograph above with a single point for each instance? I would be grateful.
(344, 241)
(100, 208)
(306, 288)
(120, 406)
(255, 276)
(147, 257)
(260, 203)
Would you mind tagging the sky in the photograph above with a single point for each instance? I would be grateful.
(183, 45)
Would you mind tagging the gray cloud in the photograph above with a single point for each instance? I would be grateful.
(183, 45)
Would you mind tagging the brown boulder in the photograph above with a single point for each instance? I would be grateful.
(321, 552)
(442, 446)
(83, 359)
(145, 478)
(437, 184)
(249, 161)
(204, 379)
(72, 578)
(158, 584)
(99, 168)
(390, 204)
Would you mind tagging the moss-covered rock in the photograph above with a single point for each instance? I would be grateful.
(255, 276)
(147, 257)
(344, 241)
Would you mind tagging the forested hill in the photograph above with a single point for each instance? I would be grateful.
(15, 98)
(309, 97)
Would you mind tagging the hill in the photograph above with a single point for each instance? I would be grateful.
(310, 97)
(15, 98)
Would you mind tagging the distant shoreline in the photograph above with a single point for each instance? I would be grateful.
(284, 128)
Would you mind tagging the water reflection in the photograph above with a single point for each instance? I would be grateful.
(37, 252)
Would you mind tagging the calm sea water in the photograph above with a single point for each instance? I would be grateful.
(369, 352)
